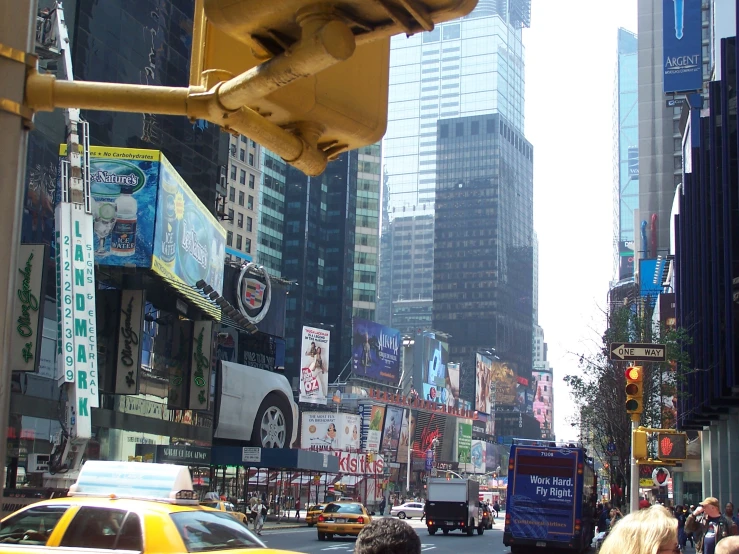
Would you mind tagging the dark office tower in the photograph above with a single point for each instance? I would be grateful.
(319, 252)
(483, 243)
(147, 42)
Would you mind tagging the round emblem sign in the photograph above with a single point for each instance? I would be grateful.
(660, 475)
(253, 292)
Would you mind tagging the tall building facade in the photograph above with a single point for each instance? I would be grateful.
(466, 67)
(483, 243)
(241, 205)
(660, 142)
(625, 154)
(320, 252)
(271, 212)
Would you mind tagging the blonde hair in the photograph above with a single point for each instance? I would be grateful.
(642, 532)
(728, 545)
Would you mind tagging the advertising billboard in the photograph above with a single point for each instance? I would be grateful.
(505, 381)
(440, 382)
(391, 431)
(314, 365)
(28, 307)
(681, 44)
(329, 431)
(543, 398)
(482, 383)
(477, 454)
(407, 429)
(376, 351)
(374, 435)
(189, 243)
(464, 442)
(626, 259)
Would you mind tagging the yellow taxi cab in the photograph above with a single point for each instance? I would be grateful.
(342, 518)
(311, 516)
(130, 506)
(214, 502)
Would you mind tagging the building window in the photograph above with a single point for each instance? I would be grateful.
(475, 128)
(231, 194)
(242, 154)
(459, 129)
(230, 214)
(240, 222)
(241, 198)
(251, 159)
(238, 242)
(253, 144)
(444, 131)
(229, 238)
(249, 222)
(250, 204)
(247, 246)
(242, 177)
(243, 139)
(233, 172)
(251, 180)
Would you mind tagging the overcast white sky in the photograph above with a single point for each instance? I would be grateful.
(570, 79)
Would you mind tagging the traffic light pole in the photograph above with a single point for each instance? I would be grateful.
(634, 488)
(17, 29)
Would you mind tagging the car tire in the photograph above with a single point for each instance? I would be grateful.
(321, 536)
(401, 515)
(330, 536)
(273, 425)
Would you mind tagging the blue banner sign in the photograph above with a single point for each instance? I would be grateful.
(682, 45)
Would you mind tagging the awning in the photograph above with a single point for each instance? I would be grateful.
(305, 480)
(351, 480)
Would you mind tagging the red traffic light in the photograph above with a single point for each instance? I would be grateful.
(633, 373)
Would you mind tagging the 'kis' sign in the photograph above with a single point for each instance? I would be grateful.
(354, 463)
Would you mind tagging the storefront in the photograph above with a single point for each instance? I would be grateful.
(146, 338)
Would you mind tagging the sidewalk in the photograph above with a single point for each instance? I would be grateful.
(284, 523)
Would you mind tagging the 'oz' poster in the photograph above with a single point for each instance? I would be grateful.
(314, 365)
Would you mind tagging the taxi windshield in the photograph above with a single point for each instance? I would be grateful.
(202, 531)
(344, 508)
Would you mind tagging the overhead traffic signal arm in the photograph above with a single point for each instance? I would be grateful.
(306, 79)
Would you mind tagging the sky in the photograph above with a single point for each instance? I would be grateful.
(570, 81)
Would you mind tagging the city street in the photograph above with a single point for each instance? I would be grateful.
(306, 540)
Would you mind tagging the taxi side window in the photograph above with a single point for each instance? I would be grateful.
(103, 528)
(32, 526)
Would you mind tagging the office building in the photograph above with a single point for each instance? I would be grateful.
(625, 155)
(483, 243)
(239, 210)
(271, 212)
(323, 215)
(466, 67)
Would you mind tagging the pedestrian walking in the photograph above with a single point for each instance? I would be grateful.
(382, 506)
(260, 514)
(297, 509)
(496, 508)
(729, 512)
(709, 526)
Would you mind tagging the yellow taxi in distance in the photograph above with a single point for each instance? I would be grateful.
(214, 502)
(342, 518)
(131, 506)
(311, 516)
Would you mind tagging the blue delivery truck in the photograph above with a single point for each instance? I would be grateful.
(551, 497)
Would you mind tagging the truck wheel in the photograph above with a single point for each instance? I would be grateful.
(446, 531)
(470, 529)
(432, 530)
(481, 529)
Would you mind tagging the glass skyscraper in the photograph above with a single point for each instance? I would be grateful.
(626, 154)
(467, 67)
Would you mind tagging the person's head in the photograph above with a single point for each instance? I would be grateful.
(649, 531)
(387, 536)
(729, 509)
(711, 507)
(728, 545)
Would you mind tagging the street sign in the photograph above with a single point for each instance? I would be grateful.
(611, 448)
(634, 351)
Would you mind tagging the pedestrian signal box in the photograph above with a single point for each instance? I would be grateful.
(634, 389)
(639, 444)
(672, 446)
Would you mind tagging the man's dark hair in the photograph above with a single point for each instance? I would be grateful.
(388, 536)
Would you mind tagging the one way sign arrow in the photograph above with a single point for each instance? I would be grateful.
(634, 351)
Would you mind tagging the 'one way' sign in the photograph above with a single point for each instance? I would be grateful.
(634, 351)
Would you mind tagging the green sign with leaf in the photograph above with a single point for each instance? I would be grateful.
(464, 443)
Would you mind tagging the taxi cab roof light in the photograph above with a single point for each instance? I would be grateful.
(135, 480)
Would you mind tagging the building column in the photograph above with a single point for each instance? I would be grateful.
(723, 463)
(677, 488)
(706, 461)
(732, 447)
(715, 441)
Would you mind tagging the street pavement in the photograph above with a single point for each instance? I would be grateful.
(305, 539)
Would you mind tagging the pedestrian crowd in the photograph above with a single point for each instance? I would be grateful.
(660, 530)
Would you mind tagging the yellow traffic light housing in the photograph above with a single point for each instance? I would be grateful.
(634, 390)
(639, 444)
(318, 68)
(672, 446)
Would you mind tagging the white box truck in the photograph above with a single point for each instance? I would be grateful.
(453, 504)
